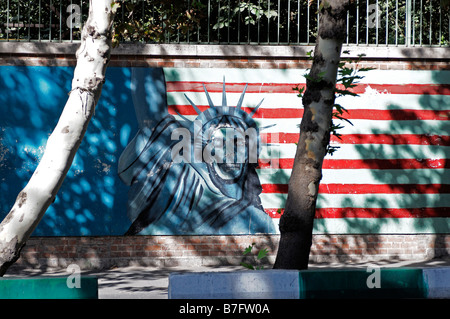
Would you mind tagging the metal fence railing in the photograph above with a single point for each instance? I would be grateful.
(272, 22)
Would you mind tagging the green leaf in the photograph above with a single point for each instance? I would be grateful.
(248, 249)
(340, 109)
(247, 266)
(312, 79)
(332, 149)
(321, 74)
(262, 253)
(345, 92)
(342, 118)
(365, 69)
(335, 127)
(300, 91)
(345, 71)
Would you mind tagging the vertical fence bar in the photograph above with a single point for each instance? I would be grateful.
(289, 22)
(317, 18)
(29, 21)
(7, 20)
(387, 22)
(39, 25)
(239, 23)
(413, 23)
(396, 22)
(377, 18)
(278, 23)
(440, 25)
(71, 27)
(81, 17)
(431, 14)
(408, 23)
(259, 21)
(348, 13)
(298, 21)
(421, 21)
(357, 22)
(198, 31)
(268, 22)
(60, 22)
(307, 23)
(218, 21)
(209, 19)
(229, 17)
(248, 26)
(188, 31)
(18, 21)
(50, 26)
(367, 22)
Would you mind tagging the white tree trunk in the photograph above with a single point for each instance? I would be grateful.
(62, 145)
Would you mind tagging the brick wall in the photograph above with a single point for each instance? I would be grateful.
(101, 252)
(223, 56)
(166, 251)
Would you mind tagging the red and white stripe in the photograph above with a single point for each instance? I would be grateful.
(391, 173)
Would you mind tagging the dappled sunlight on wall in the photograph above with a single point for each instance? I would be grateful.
(32, 99)
(397, 154)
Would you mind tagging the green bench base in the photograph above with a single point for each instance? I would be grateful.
(48, 288)
(360, 283)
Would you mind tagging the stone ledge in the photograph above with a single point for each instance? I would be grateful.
(266, 284)
(393, 283)
(231, 51)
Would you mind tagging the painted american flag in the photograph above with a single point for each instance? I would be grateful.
(391, 173)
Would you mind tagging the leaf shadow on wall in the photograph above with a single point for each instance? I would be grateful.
(31, 101)
(415, 152)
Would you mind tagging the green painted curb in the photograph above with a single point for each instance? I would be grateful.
(47, 288)
(354, 283)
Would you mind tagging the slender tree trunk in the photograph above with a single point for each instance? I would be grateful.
(296, 223)
(62, 145)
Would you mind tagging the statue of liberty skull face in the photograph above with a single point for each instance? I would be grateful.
(223, 142)
(195, 176)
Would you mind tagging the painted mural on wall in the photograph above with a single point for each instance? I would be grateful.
(211, 187)
(209, 151)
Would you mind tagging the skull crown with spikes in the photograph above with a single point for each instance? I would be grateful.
(222, 117)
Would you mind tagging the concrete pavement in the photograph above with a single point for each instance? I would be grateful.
(152, 283)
